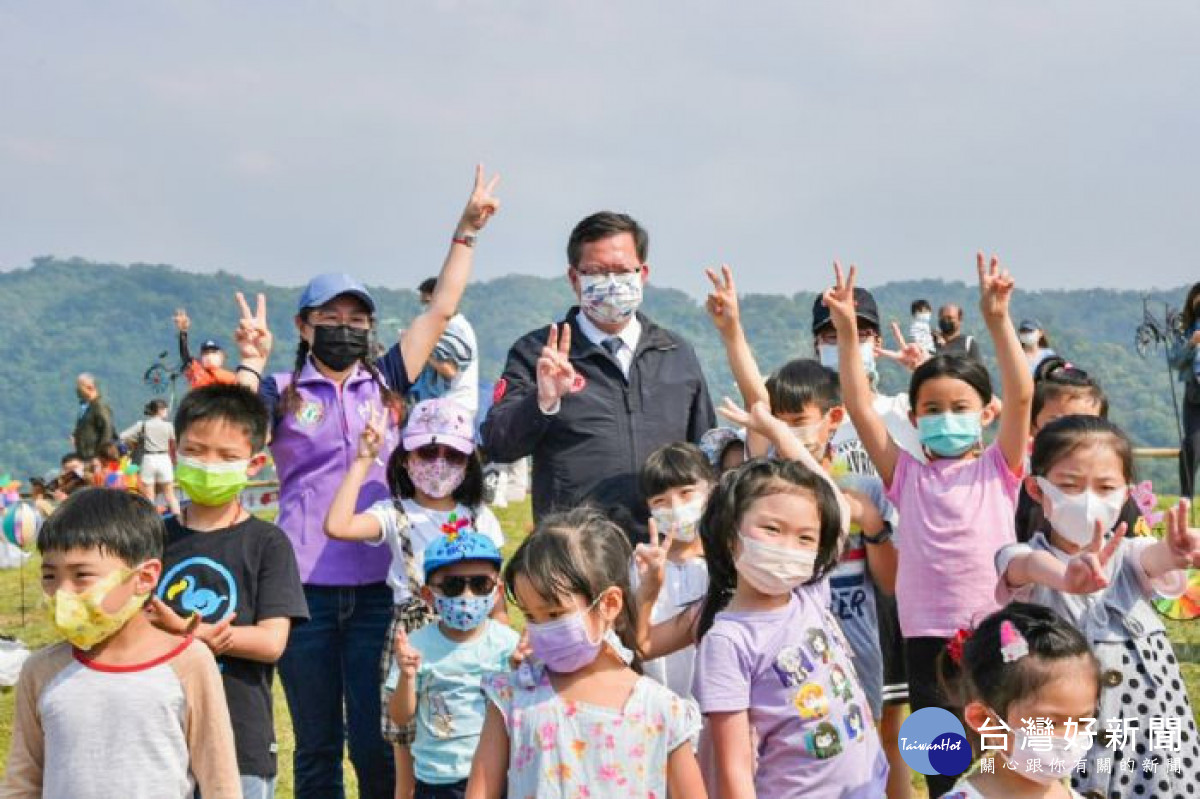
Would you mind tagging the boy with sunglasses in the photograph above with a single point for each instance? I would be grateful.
(439, 668)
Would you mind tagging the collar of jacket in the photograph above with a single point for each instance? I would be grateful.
(310, 374)
(653, 337)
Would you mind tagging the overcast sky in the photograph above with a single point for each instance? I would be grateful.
(280, 139)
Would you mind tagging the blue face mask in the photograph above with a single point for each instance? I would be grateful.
(464, 613)
(950, 434)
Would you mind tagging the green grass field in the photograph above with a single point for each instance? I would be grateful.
(516, 520)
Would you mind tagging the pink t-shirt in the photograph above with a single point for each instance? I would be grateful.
(955, 514)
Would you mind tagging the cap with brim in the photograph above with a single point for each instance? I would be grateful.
(209, 346)
(323, 288)
(864, 308)
(440, 421)
(457, 546)
(1029, 324)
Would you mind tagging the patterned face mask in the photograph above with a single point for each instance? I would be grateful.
(81, 618)
(611, 299)
(437, 477)
(464, 613)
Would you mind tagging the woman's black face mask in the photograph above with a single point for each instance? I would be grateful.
(340, 346)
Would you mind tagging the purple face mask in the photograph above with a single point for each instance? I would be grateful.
(564, 644)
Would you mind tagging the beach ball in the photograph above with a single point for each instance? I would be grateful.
(21, 524)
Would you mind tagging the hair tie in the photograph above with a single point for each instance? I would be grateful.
(954, 647)
(1013, 645)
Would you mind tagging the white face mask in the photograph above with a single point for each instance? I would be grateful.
(1056, 759)
(1030, 339)
(827, 354)
(924, 316)
(773, 570)
(1074, 516)
(810, 437)
(683, 521)
(612, 298)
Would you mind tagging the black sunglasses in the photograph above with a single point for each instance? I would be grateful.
(481, 585)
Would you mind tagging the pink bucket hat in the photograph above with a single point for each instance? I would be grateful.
(440, 421)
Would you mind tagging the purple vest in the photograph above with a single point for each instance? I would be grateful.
(314, 444)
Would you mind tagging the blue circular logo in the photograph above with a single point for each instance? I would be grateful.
(933, 741)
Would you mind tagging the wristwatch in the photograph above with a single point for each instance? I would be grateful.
(465, 239)
(882, 537)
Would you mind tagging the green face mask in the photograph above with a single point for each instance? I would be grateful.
(211, 484)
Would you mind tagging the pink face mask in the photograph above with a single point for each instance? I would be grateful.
(438, 477)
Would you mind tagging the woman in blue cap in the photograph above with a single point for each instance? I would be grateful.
(1034, 343)
(318, 412)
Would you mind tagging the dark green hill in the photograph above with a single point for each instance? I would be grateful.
(64, 317)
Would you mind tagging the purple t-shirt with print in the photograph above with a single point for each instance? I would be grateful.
(791, 670)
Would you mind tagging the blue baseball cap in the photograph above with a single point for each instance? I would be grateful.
(209, 345)
(1030, 324)
(464, 544)
(323, 288)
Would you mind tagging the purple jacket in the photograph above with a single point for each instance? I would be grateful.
(314, 444)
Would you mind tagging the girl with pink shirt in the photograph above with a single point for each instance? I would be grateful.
(956, 511)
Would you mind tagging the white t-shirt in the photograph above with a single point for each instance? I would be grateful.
(424, 526)
(685, 584)
(464, 388)
(894, 410)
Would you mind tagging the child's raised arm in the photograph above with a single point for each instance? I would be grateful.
(723, 310)
(489, 769)
(1016, 384)
(1082, 574)
(341, 522)
(856, 388)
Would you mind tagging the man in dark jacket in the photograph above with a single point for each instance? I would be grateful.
(94, 425)
(591, 398)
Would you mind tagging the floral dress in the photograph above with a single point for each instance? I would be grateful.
(560, 749)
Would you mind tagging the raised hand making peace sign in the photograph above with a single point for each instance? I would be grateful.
(252, 336)
(840, 300)
(651, 563)
(722, 302)
(1085, 571)
(482, 204)
(1184, 541)
(995, 287)
(909, 354)
(555, 373)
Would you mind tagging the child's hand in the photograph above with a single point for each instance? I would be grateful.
(219, 636)
(1184, 541)
(909, 355)
(722, 303)
(252, 336)
(182, 323)
(840, 301)
(522, 651)
(995, 287)
(408, 658)
(372, 436)
(1085, 571)
(759, 420)
(651, 562)
(482, 204)
(555, 373)
(166, 619)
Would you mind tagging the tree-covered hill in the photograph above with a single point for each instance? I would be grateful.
(63, 317)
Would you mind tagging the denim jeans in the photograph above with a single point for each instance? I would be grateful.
(330, 675)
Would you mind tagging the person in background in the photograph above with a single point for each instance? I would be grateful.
(209, 368)
(1034, 343)
(920, 329)
(453, 369)
(1185, 357)
(950, 319)
(725, 448)
(94, 425)
(71, 477)
(39, 493)
(155, 436)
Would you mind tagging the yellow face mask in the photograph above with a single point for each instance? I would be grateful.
(81, 618)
